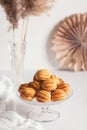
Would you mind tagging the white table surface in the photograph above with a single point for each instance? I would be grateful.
(73, 112)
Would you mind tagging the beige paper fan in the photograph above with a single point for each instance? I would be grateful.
(70, 42)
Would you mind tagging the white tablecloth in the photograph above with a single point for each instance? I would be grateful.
(73, 112)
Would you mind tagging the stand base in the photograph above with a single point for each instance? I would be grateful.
(44, 115)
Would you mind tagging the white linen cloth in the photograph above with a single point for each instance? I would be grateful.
(9, 118)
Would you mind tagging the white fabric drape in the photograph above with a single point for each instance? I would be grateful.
(9, 118)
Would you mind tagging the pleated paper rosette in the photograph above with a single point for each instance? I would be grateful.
(69, 42)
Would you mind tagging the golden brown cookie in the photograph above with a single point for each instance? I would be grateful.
(22, 87)
(26, 97)
(35, 78)
(60, 81)
(26, 92)
(43, 96)
(49, 85)
(58, 94)
(29, 91)
(34, 84)
(55, 78)
(65, 87)
(42, 75)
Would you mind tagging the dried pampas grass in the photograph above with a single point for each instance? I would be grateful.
(16, 9)
(11, 11)
(35, 7)
(70, 42)
(22, 9)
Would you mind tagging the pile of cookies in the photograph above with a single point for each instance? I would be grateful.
(45, 87)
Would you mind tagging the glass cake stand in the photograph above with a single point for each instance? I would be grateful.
(44, 114)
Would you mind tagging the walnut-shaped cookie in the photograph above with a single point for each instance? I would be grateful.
(61, 81)
(49, 85)
(55, 78)
(27, 93)
(43, 96)
(42, 75)
(65, 87)
(22, 87)
(34, 84)
(58, 94)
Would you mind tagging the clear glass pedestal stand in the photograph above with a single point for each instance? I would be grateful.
(44, 114)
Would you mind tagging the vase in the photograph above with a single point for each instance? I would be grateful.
(17, 51)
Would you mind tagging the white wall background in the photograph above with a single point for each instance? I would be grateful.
(38, 33)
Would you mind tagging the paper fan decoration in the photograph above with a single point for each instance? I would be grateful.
(70, 42)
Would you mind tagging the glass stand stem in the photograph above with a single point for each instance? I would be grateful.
(44, 115)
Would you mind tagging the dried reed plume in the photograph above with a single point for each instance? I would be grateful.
(16, 9)
(11, 11)
(36, 7)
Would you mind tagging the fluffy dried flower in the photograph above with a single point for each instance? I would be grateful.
(35, 7)
(11, 11)
(16, 9)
